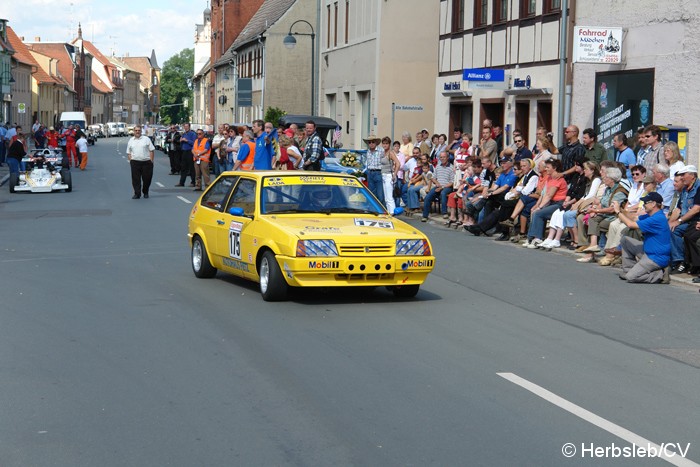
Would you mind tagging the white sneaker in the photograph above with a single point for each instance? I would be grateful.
(554, 244)
(534, 244)
(545, 245)
(526, 244)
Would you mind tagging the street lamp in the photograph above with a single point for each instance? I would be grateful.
(290, 42)
(4, 79)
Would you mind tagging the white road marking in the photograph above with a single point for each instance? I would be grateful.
(160, 184)
(594, 419)
(184, 199)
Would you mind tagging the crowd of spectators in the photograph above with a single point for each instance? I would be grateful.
(606, 210)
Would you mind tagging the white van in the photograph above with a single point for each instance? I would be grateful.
(122, 128)
(74, 118)
(112, 129)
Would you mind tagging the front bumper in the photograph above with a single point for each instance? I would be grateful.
(355, 271)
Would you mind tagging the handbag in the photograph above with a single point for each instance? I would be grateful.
(585, 203)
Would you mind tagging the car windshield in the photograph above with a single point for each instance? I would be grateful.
(317, 194)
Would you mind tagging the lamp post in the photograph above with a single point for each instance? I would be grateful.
(290, 42)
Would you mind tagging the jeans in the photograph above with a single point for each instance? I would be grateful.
(375, 184)
(14, 167)
(430, 197)
(538, 219)
(412, 196)
(677, 251)
(401, 184)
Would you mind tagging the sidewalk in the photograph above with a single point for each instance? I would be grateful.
(437, 221)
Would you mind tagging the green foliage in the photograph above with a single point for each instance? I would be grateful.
(176, 87)
(273, 115)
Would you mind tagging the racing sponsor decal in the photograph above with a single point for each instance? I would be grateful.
(250, 257)
(313, 228)
(417, 263)
(311, 180)
(234, 264)
(324, 264)
(234, 239)
(274, 181)
(255, 242)
(374, 223)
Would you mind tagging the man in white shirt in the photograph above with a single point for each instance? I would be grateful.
(141, 153)
(82, 147)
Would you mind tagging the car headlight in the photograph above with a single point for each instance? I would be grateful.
(419, 247)
(316, 248)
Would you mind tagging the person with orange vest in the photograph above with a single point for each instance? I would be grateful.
(201, 152)
(246, 154)
(69, 135)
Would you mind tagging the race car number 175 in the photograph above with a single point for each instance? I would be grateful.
(234, 240)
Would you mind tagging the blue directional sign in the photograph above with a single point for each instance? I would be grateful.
(483, 74)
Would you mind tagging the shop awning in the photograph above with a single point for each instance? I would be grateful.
(457, 93)
(528, 92)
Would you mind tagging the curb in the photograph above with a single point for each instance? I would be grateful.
(684, 279)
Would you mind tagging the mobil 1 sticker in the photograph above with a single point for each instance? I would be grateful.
(374, 223)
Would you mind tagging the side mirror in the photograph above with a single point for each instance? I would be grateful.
(236, 212)
(398, 211)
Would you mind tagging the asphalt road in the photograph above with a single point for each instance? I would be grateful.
(113, 354)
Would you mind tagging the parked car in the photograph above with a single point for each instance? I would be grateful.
(122, 128)
(159, 142)
(324, 125)
(112, 129)
(97, 129)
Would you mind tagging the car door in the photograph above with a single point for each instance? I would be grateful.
(236, 232)
(210, 216)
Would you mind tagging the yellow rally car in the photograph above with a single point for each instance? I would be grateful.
(304, 229)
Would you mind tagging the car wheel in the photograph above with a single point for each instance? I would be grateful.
(200, 260)
(66, 178)
(14, 181)
(273, 287)
(405, 291)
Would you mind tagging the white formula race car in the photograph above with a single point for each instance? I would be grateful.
(46, 171)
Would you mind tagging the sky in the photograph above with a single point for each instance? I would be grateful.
(123, 26)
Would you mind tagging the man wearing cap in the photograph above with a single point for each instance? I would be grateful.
(645, 262)
(689, 205)
(313, 149)
(373, 166)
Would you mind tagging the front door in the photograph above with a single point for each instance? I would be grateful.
(238, 245)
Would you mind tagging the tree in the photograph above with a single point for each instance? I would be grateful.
(273, 115)
(176, 87)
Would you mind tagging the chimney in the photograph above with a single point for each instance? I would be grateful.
(37, 39)
(21, 38)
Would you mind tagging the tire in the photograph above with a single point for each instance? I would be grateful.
(14, 181)
(273, 287)
(405, 291)
(200, 260)
(66, 178)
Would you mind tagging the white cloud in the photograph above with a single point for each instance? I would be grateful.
(126, 27)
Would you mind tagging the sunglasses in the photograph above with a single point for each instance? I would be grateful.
(636, 174)
(518, 141)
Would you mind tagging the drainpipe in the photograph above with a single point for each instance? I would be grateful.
(262, 86)
(564, 93)
(317, 48)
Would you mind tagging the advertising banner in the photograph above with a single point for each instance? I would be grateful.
(624, 102)
(597, 45)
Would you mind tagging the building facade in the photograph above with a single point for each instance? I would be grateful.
(518, 41)
(653, 83)
(378, 70)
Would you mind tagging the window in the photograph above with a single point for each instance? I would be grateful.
(481, 8)
(243, 197)
(328, 29)
(500, 11)
(527, 8)
(347, 20)
(216, 196)
(551, 6)
(335, 25)
(458, 15)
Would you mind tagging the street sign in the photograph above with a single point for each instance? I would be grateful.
(410, 108)
(21, 108)
(487, 85)
(483, 74)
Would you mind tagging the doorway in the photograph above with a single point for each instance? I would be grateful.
(461, 115)
(522, 118)
(544, 115)
(493, 110)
